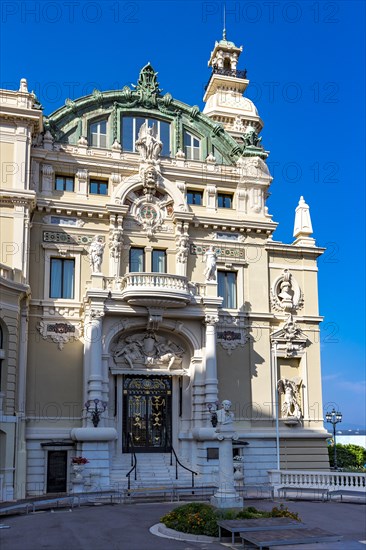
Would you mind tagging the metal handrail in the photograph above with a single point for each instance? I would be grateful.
(177, 461)
(133, 462)
(227, 72)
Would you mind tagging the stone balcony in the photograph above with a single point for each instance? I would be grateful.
(152, 289)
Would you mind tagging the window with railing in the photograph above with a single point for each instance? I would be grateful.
(158, 261)
(137, 260)
(130, 131)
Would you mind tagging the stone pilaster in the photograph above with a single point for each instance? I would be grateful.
(211, 321)
(94, 345)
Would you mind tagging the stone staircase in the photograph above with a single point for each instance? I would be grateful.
(153, 470)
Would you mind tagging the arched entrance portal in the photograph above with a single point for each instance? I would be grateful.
(151, 384)
(147, 413)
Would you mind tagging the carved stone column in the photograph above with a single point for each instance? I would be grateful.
(211, 364)
(226, 495)
(93, 337)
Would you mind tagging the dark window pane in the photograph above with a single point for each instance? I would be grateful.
(137, 260)
(127, 133)
(59, 184)
(103, 188)
(93, 187)
(224, 201)
(226, 288)
(62, 278)
(194, 197)
(158, 261)
(98, 187)
(69, 184)
(56, 278)
(165, 138)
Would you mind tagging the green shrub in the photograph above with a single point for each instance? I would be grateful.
(283, 512)
(201, 519)
(196, 518)
(348, 456)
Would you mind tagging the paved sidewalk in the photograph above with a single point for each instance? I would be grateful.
(126, 527)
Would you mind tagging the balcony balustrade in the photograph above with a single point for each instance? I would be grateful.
(152, 289)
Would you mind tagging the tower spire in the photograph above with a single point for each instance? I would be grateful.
(224, 29)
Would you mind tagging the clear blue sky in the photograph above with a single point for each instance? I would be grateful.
(305, 60)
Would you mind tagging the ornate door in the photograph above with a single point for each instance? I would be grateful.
(147, 413)
(56, 471)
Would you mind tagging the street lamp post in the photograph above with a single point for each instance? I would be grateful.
(333, 418)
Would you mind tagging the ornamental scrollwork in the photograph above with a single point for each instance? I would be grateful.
(60, 333)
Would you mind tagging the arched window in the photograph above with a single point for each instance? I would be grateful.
(130, 131)
(192, 146)
(98, 134)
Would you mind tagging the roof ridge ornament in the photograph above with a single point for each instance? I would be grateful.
(148, 86)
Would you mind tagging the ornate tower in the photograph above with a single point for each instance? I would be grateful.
(224, 92)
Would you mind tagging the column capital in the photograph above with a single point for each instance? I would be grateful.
(211, 319)
(96, 314)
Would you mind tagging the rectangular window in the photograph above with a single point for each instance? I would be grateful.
(158, 261)
(192, 146)
(98, 134)
(195, 197)
(62, 278)
(227, 288)
(64, 183)
(224, 200)
(97, 187)
(137, 260)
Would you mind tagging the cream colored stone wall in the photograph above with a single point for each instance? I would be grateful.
(54, 380)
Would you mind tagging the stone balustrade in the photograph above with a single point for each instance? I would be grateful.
(155, 280)
(11, 274)
(139, 283)
(307, 479)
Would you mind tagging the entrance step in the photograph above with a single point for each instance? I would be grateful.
(153, 470)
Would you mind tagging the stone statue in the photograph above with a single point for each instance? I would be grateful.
(96, 250)
(115, 243)
(131, 352)
(183, 248)
(147, 144)
(290, 389)
(146, 350)
(224, 415)
(286, 293)
(166, 353)
(210, 271)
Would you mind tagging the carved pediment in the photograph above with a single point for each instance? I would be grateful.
(148, 350)
(290, 340)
